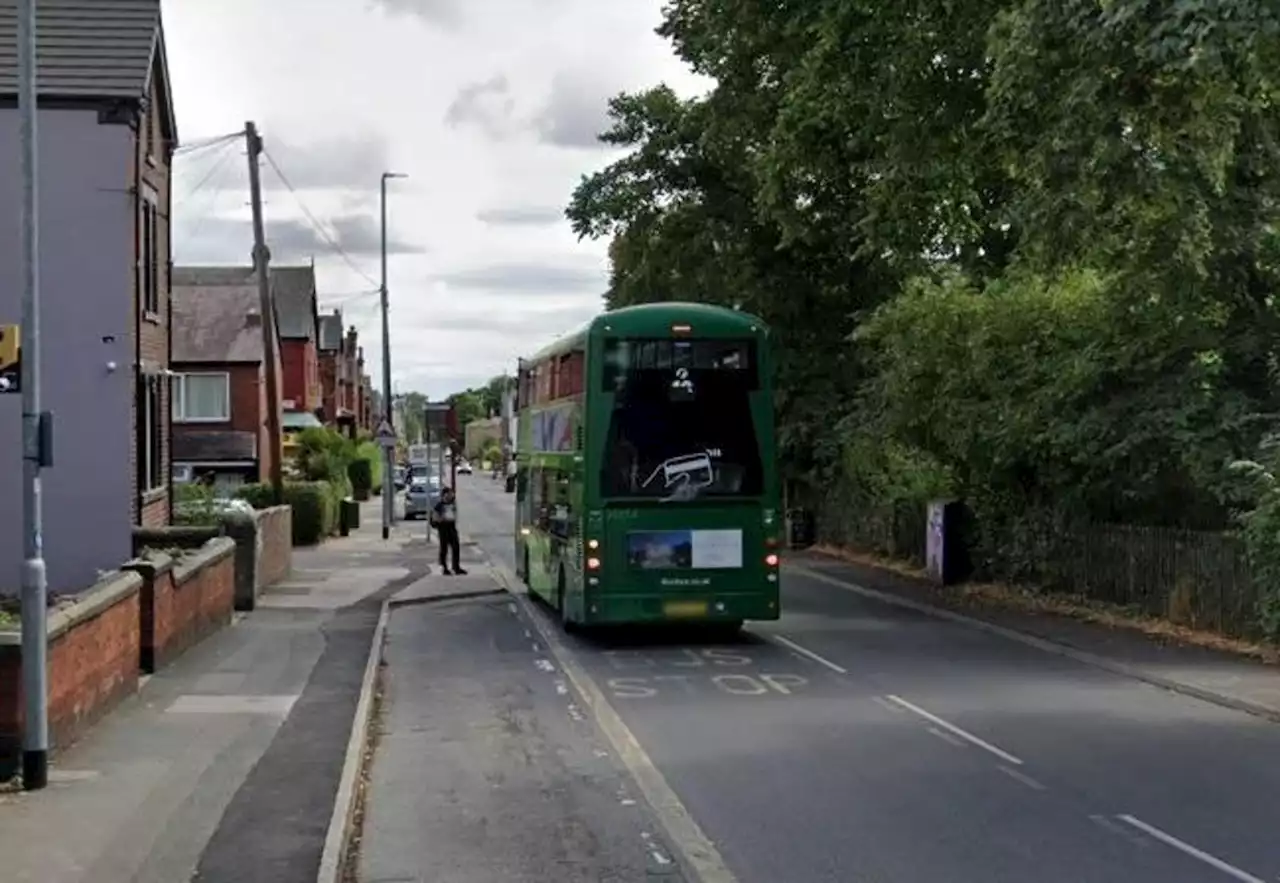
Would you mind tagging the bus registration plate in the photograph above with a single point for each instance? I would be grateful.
(685, 609)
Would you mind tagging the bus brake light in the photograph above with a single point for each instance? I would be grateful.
(593, 564)
(593, 544)
(771, 559)
(681, 329)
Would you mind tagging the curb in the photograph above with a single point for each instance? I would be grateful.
(1213, 697)
(337, 836)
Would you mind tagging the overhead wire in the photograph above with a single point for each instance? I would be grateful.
(205, 143)
(212, 173)
(214, 168)
(315, 224)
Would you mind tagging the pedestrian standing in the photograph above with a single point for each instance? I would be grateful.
(444, 518)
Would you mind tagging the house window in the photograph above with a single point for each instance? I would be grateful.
(151, 434)
(149, 253)
(202, 398)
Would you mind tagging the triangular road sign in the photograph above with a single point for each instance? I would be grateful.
(386, 435)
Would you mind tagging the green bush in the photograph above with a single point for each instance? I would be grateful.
(258, 495)
(361, 475)
(314, 511)
(195, 504)
(365, 470)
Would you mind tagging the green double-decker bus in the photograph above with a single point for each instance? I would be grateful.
(646, 486)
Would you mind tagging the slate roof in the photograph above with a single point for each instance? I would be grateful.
(214, 311)
(90, 49)
(293, 290)
(331, 332)
(196, 445)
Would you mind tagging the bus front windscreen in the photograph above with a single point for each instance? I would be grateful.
(680, 426)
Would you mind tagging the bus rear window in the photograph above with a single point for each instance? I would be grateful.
(622, 357)
(681, 426)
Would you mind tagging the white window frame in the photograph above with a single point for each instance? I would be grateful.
(179, 395)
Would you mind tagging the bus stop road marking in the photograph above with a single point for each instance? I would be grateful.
(697, 850)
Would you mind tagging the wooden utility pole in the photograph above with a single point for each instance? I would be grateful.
(270, 358)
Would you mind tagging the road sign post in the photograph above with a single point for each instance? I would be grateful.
(386, 436)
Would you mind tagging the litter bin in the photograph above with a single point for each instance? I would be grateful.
(348, 516)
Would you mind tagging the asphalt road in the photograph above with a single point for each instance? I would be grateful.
(858, 741)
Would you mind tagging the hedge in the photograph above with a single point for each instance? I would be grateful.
(314, 504)
(315, 510)
(361, 473)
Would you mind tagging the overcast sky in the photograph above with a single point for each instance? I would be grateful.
(491, 109)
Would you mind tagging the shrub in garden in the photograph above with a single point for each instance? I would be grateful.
(314, 510)
(258, 495)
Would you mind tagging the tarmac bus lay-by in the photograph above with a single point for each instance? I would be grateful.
(646, 488)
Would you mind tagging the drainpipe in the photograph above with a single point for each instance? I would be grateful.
(137, 306)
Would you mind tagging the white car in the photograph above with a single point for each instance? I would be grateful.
(464, 467)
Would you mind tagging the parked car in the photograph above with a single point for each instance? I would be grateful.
(422, 495)
(464, 467)
(401, 478)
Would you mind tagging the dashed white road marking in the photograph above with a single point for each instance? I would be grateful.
(809, 654)
(544, 664)
(945, 736)
(956, 731)
(885, 703)
(1187, 849)
(1116, 828)
(1022, 777)
(684, 833)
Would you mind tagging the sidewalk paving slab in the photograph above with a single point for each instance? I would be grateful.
(247, 729)
(1226, 679)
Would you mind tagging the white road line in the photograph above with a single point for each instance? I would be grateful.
(945, 737)
(1187, 848)
(809, 654)
(685, 834)
(953, 729)
(885, 703)
(1121, 831)
(1021, 777)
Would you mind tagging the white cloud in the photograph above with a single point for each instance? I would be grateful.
(491, 109)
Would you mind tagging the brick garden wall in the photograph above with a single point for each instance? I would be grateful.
(93, 664)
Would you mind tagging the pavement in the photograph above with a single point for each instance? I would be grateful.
(871, 736)
(224, 766)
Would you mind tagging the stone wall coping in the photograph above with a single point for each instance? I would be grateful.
(207, 555)
(106, 593)
(150, 568)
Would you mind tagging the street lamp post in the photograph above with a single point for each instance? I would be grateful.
(388, 453)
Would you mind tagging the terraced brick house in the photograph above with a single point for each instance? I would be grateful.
(220, 399)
